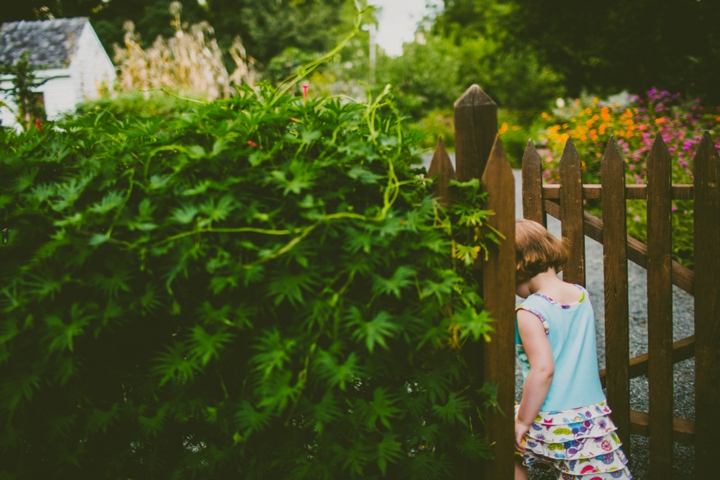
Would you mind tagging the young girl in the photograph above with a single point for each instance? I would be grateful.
(562, 419)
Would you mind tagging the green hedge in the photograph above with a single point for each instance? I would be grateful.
(260, 288)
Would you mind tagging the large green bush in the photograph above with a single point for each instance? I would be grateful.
(260, 288)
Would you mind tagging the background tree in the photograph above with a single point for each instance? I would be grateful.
(602, 46)
(265, 27)
(23, 91)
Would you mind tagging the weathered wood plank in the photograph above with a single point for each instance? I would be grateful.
(532, 191)
(617, 333)
(499, 295)
(682, 350)
(571, 214)
(660, 315)
(632, 191)
(682, 276)
(707, 306)
(683, 430)
(475, 131)
(441, 168)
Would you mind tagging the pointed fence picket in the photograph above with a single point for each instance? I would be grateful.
(498, 277)
(571, 210)
(617, 333)
(442, 169)
(707, 305)
(532, 192)
(479, 154)
(660, 315)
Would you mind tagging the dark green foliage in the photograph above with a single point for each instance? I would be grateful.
(602, 46)
(260, 288)
(269, 27)
(266, 27)
(135, 104)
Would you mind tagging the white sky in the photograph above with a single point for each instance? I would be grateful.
(398, 20)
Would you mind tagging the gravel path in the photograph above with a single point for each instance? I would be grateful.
(684, 384)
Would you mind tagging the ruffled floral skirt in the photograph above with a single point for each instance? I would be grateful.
(579, 444)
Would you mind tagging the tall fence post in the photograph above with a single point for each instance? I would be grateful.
(475, 134)
(499, 296)
(707, 306)
(475, 131)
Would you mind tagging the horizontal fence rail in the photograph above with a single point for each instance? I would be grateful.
(632, 191)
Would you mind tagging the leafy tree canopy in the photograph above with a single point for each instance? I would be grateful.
(266, 27)
(602, 46)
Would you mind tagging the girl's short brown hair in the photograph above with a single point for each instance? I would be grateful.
(536, 250)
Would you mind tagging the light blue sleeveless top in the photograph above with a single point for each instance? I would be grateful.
(571, 332)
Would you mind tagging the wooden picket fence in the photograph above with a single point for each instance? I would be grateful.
(480, 154)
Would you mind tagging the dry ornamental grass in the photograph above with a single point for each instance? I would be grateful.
(191, 61)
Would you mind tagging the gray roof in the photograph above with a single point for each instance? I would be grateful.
(52, 43)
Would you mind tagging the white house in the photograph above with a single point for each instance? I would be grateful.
(68, 51)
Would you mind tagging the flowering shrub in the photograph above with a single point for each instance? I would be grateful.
(634, 122)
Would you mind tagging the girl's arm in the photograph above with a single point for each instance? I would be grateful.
(542, 367)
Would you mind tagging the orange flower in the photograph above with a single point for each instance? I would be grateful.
(660, 120)
(605, 113)
(602, 128)
(503, 128)
(588, 111)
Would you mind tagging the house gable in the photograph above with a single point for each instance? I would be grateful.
(51, 43)
(91, 67)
